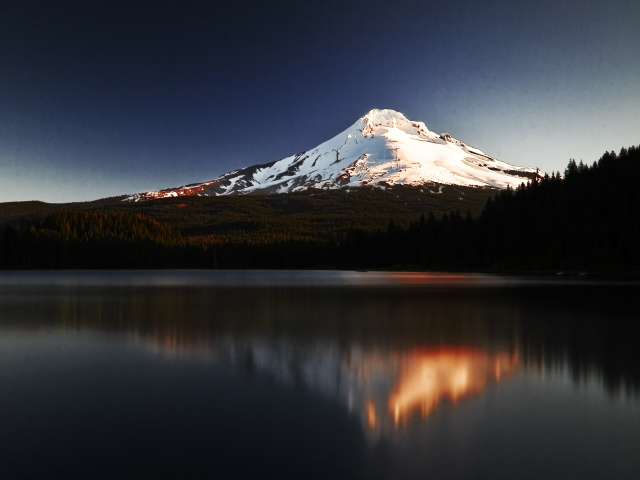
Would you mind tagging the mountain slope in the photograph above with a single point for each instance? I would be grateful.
(382, 148)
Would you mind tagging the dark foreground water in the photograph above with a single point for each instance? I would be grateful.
(317, 375)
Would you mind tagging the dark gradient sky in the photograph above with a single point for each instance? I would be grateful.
(101, 98)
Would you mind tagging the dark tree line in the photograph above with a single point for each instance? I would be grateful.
(585, 220)
(72, 239)
(77, 239)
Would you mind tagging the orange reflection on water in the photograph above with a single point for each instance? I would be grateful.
(430, 375)
(423, 278)
(371, 414)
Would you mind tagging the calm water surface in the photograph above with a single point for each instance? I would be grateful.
(198, 374)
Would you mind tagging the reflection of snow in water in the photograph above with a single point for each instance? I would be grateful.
(430, 375)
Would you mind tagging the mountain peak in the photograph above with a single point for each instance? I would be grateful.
(384, 117)
(383, 148)
(387, 118)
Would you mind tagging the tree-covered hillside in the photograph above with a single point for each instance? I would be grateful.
(586, 220)
(255, 219)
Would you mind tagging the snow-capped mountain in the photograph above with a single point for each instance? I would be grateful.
(382, 148)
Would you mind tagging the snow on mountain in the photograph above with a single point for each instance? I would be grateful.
(382, 148)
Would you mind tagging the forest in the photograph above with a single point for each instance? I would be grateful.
(585, 220)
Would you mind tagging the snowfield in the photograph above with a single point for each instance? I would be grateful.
(382, 148)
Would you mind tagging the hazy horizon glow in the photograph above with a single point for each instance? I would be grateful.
(100, 100)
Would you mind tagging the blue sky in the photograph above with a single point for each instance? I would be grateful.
(107, 98)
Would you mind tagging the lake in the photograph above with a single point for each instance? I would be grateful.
(258, 374)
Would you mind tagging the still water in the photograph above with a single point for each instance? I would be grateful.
(198, 374)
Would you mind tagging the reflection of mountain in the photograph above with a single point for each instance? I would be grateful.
(383, 387)
(359, 345)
